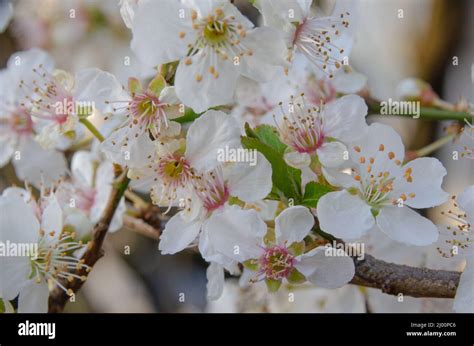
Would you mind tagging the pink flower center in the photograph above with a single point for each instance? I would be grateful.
(20, 122)
(302, 128)
(276, 263)
(174, 170)
(212, 190)
(148, 113)
(50, 100)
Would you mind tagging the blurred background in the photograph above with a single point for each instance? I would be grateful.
(133, 276)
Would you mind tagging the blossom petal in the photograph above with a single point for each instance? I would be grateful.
(178, 234)
(344, 215)
(377, 137)
(297, 160)
(52, 218)
(293, 224)
(98, 87)
(344, 119)
(332, 154)
(324, 270)
(34, 298)
(236, 233)
(19, 225)
(156, 27)
(407, 226)
(38, 165)
(200, 89)
(82, 167)
(268, 54)
(201, 149)
(215, 281)
(251, 183)
(424, 188)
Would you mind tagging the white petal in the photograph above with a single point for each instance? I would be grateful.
(82, 167)
(340, 176)
(81, 223)
(324, 270)
(7, 148)
(215, 281)
(201, 148)
(236, 233)
(14, 273)
(251, 183)
(199, 89)
(268, 54)
(52, 218)
(407, 226)
(293, 224)
(344, 215)
(275, 13)
(22, 63)
(97, 86)
(466, 201)
(344, 119)
(168, 95)
(39, 166)
(156, 27)
(427, 177)
(369, 144)
(464, 300)
(127, 11)
(178, 234)
(18, 221)
(349, 82)
(34, 298)
(297, 160)
(18, 225)
(6, 13)
(331, 154)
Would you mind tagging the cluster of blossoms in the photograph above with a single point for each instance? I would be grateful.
(315, 156)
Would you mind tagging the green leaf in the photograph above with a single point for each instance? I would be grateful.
(269, 135)
(189, 116)
(313, 192)
(285, 178)
(273, 285)
(295, 277)
(2, 306)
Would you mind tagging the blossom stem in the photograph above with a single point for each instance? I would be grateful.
(430, 148)
(92, 129)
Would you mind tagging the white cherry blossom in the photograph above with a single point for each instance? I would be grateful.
(245, 240)
(23, 221)
(17, 128)
(324, 41)
(85, 195)
(381, 190)
(214, 44)
(321, 132)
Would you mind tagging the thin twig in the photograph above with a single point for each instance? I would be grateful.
(141, 227)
